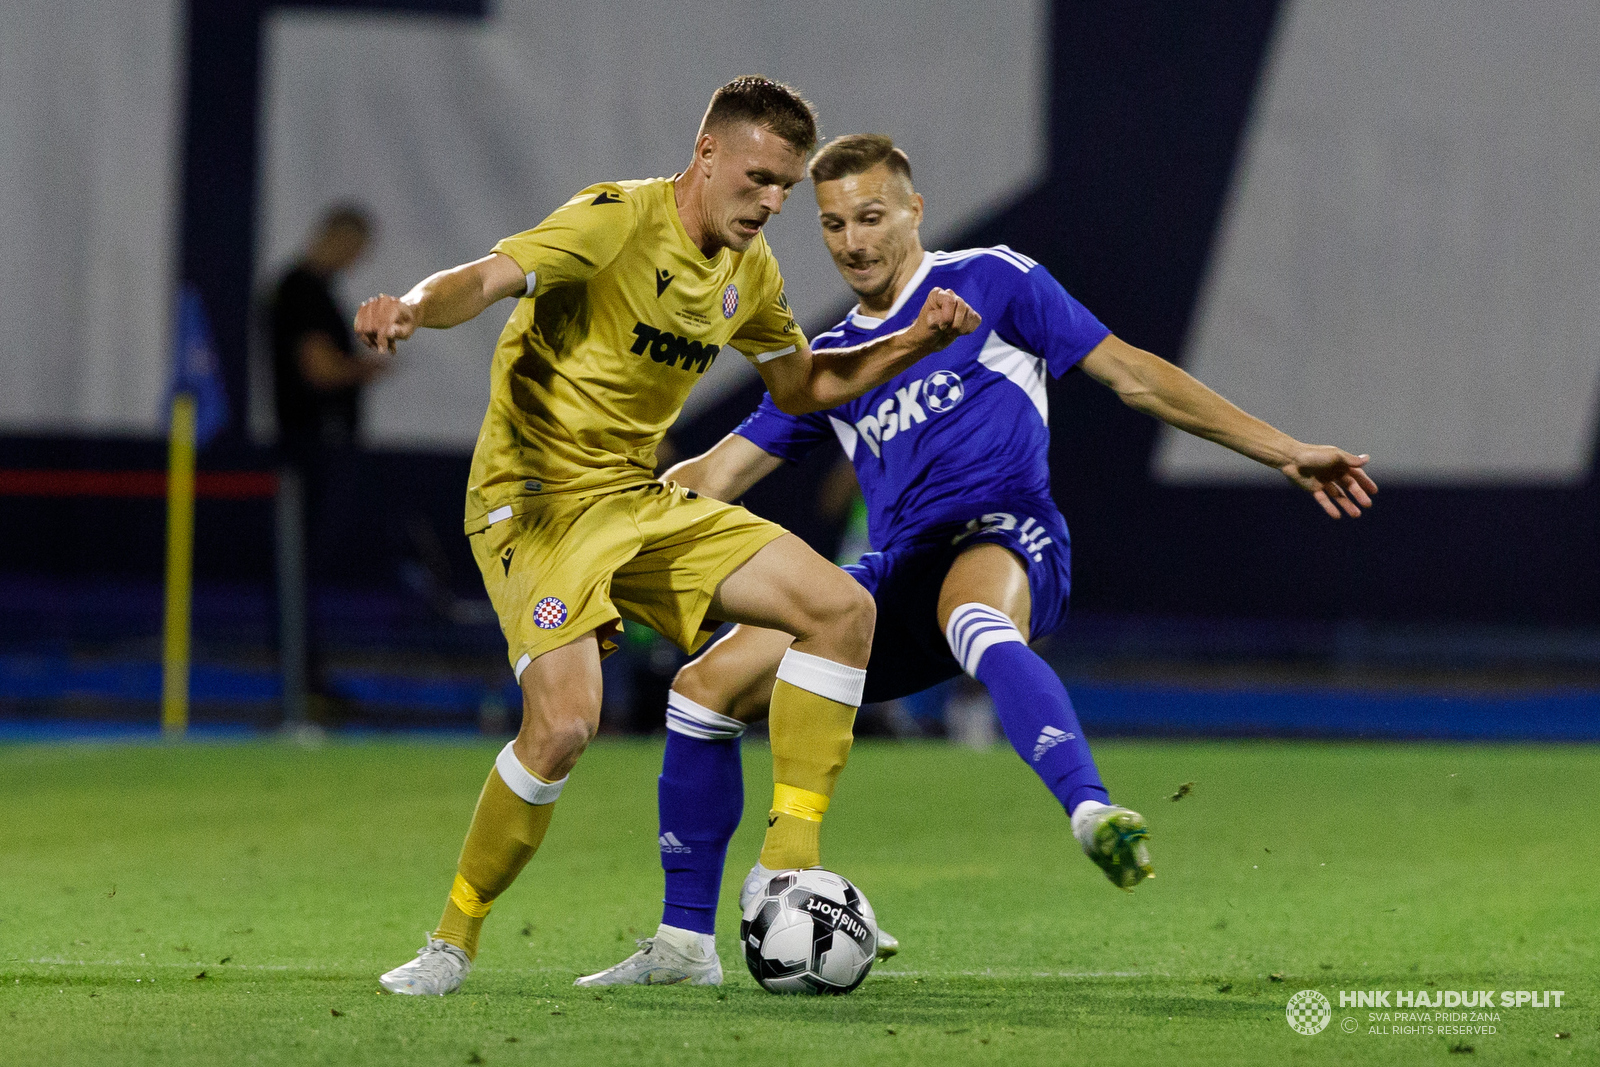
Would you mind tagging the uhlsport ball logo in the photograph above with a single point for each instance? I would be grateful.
(549, 613)
(1308, 1012)
(942, 390)
(730, 300)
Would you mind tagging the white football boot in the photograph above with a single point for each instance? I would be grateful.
(437, 970)
(658, 962)
(888, 944)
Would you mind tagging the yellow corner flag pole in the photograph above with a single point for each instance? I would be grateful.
(180, 568)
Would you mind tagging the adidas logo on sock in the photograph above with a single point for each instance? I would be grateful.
(1049, 738)
(670, 843)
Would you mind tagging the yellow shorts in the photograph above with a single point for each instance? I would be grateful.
(653, 554)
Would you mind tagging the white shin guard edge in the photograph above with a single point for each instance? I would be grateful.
(827, 679)
(686, 717)
(973, 629)
(523, 782)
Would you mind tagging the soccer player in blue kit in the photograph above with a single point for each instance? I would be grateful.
(972, 555)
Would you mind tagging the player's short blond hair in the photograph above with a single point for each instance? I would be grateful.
(857, 153)
(764, 102)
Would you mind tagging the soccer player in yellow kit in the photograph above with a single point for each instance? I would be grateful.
(627, 293)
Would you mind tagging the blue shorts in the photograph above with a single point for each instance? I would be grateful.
(909, 652)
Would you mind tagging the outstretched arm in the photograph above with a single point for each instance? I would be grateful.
(804, 381)
(725, 472)
(1148, 383)
(440, 300)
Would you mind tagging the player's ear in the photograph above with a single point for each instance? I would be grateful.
(705, 148)
(916, 207)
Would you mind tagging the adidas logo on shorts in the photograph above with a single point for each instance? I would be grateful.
(1049, 738)
(670, 843)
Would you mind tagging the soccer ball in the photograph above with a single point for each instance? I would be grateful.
(809, 932)
(942, 390)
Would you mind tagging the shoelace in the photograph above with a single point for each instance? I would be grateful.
(443, 957)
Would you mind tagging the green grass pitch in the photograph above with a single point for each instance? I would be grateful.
(234, 903)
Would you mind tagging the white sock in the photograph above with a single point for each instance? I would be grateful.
(1081, 817)
(694, 945)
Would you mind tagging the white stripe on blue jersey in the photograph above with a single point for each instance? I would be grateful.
(962, 426)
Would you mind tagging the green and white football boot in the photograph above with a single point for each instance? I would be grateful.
(1116, 839)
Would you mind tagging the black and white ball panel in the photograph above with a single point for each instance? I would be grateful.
(809, 932)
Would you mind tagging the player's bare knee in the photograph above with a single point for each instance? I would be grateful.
(549, 745)
(701, 682)
(569, 736)
(836, 618)
(697, 683)
(750, 705)
(856, 614)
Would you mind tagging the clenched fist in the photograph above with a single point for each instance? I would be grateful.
(943, 318)
(383, 320)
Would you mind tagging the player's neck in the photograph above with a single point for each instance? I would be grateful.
(878, 306)
(688, 197)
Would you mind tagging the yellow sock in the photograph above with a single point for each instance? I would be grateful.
(810, 744)
(505, 833)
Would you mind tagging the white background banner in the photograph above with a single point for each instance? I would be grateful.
(90, 101)
(1410, 264)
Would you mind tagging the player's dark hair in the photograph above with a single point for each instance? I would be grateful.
(764, 102)
(857, 153)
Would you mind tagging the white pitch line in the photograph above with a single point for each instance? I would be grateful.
(58, 962)
(180, 966)
(992, 973)
(986, 973)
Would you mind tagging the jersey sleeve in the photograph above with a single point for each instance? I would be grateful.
(1044, 319)
(777, 433)
(577, 241)
(770, 331)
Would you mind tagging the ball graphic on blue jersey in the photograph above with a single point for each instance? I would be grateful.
(942, 390)
(809, 932)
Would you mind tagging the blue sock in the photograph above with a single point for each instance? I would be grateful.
(1030, 700)
(701, 797)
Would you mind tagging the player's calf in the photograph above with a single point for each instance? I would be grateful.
(1039, 720)
(700, 796)
(788, 587)
(561, 707)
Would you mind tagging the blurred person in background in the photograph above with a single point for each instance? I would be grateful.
(318, 376)
(318, 373)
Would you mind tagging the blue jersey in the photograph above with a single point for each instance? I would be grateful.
(964, 427)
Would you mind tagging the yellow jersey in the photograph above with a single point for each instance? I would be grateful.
(621, 316)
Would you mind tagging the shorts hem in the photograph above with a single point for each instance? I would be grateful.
(737, 557)
(579, 627)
